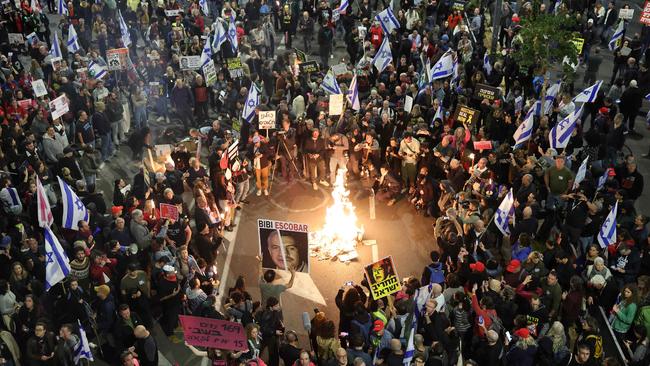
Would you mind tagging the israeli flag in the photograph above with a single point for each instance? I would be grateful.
(588, 95)
(535, 110)
(383, 57)
(387, 20)
(82, 350)
(607, 234)
(560, 134)
(551, 94)
(582, 172)
(353, 94)
(252, 101)
(206, 54)
(55, 49)
(410, 340)
(524, 131)
(62, 8)
(73, 209)
(204, 7)
(617, 36)
(124, 30)
(443, 68)
(232, 35)
(486, 64)
(329, 84)
(438, 115)
(96, 71)
(456, 72)
(647, 97)
(602, 180)
(344, 5)
(73, 40)
(220, 35)
(519, 103)
(505, 210)
(57, 264)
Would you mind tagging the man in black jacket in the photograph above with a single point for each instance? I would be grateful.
(115, 112)
(314, 152)
(126, 322)
(270, 321)
(103, 128)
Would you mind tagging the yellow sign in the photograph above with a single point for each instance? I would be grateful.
(382, 278)
(579, 43)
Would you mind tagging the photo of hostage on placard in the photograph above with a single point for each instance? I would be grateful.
(283, 249)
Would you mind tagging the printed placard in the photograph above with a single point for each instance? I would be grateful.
(173, 12)
(235, 67)
(266, 120)
(645, 14)
(213, 333)
(465, 114)
(168, 211)
(209, 73)
(336, 104)
(59, 106)
(190, 62)
(382, 278)
(308, 67)
(340, 69)
(488, 92)
(579, 43)
(483, 145)
(39, 88)
(284, 245)
(117, 58)
(16, 38)
(408, 104)
(626, 14)
(25, 103)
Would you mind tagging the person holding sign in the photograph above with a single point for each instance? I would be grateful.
(260, 155)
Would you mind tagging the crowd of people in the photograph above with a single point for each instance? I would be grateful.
(530, 290)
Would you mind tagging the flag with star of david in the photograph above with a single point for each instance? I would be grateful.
(57, 264)
(232, 35)
(252, 101)
(383, 57)
(74, 209)
(388, 21)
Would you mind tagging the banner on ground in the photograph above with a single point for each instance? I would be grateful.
(168, 211)
(266, 120)
(486, 92)
(213, 333)
(209, 73)
(59, 106)
(117, 58)
(382, 278)
(308, 67)
(284, 245)
(465, 114)
(190, 62)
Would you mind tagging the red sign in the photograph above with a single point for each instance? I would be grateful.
(482, 145)
(25, 103)
(645, 14)
(213, 333)
(168, 211)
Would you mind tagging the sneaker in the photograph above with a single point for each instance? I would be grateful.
(259, 193)
(324, 183)
(315, 186)
(266, 192)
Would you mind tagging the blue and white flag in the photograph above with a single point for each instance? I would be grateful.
(232, 35)
(220, 35)
(410, 339)
(73, 209)
(524, 131)
(582, 172)
(343, 7)
(82, 350)
(504, 212)
(456, 72)
(444, 67)
(206, 53)
(57, 264)
(96, 71)
(62, 7)
(519, 103)
(556, 7)
(73, 40)
(551, 94)
(124, 30)
(438, 115)
(647, 97)
(383, 57)
(486, 64)
(252, 101)
(588, 95)
(204, 7)
(329, 84)
(535, 110)
(55, 49)
(603, 179)
(561, 133)
(617, 36)
(607, 234)
(388, 21)
(353, 94)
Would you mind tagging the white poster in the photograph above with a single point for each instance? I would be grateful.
(340, 69)
(209, 73)
(266, 120)
(173, 12)
(408, 104)
(626, 14)
(336, 104)
(190, 62)
(39, 88)
(16, 38)
(59, 106)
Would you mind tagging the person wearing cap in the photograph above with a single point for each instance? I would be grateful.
(105, 309)
(135, 287)
(168, 290)
(524, 349)
(259, 154)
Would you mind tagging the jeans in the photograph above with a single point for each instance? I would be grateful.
(107, 146)
(315, 169)
(117, 132)
(554, 201)
(340, 162)
(140, 116)
(241, 190)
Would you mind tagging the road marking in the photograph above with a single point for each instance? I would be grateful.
(375, 253)
(226, 266)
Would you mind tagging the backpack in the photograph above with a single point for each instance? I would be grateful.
(496, 325)
(247, 315)
(363, 328)
(436, 274)
(598, 345)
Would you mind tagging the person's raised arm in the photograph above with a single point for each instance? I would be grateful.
(196, 352)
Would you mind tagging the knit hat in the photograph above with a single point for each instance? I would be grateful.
(513, 265)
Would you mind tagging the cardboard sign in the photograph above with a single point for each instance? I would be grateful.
(117, 58)
(168, 211)
(16, 38)
(209, 73)
(266, 120)
(309, 67)
(408, 104)
(482, 145)
(173, 12)
(579, 43)
(645, 14)
(465, 114)
(190, 62)
(382, 278)
(59, 106)
(340, 69)
(235, 67)
(284, 245)
(626, 14)
(488, 92)
(213, 333)
(39, 88)
(336, 104)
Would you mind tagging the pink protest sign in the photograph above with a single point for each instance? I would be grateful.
(482, 145)
(213, 333)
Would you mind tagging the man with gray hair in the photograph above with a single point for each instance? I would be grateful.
(139, 230)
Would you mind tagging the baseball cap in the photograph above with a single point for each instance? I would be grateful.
(513, 265)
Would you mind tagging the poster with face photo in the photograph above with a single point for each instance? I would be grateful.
(284, 245)
(382, 278)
